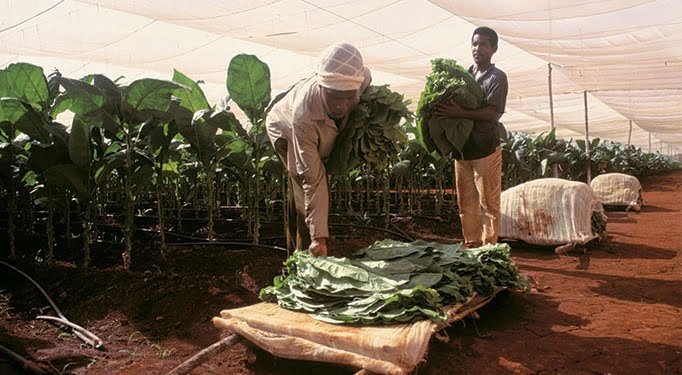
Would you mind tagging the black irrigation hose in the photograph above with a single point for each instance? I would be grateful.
(399, 234)
(196, 239)
(403, 236)
(79, 331)
(401, 231)
(228, 243)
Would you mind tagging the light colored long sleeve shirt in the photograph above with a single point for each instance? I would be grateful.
(301, 119)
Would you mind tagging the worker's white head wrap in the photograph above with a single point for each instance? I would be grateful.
(341, 68)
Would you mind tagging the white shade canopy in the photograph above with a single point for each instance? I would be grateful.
(626, 54)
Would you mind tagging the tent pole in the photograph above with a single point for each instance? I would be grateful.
(555, 167)
(587, 140)
(630, 134)
(649, 142)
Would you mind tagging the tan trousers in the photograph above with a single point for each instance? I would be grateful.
(479, 184)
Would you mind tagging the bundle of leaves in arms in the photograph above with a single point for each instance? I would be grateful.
(447, 81)
(373, 133)
(336, 291)
(454, 272)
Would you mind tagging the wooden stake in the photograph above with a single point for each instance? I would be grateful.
(587, 140)
(555, 167)
(649, 142)
(205, 354)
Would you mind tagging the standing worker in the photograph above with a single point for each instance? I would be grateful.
(302, 127)
(478, 171)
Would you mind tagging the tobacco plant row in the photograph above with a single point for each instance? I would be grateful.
(158, 149)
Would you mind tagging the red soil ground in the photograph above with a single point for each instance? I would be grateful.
(615, 308)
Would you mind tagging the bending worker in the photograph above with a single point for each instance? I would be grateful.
(302, 127)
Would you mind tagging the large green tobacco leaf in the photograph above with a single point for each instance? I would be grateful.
(107, 86)
(23, 117)
(86, 101)
(25, 81)
(79, 97)
(113, 95)
(79, 143)
(192, 99)
(154, 133)
(336, 275)
(237, 153)
(248, 82)
(11, 110)
(201, 136)
(228, 122)
(149, 94)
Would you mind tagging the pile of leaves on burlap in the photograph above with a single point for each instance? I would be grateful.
(373, 133)
(392, 281)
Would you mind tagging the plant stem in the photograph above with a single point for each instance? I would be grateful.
(11, 197)
(159, 208)
(87, 234)
(128, 227)
(50, 230)
(68, 222)
(210, 173)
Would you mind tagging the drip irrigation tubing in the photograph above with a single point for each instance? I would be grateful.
(79, 331)
(226, 243)
(401, 235)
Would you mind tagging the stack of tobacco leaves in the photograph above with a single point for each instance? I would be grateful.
(392, 281)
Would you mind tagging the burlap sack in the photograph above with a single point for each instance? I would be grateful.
(549, 211)
(618, 189)
(395, 349)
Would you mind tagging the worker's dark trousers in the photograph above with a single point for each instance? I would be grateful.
(297, 234)
(296, 213)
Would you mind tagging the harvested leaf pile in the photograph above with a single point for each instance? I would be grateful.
(392, 281)
(373, 133)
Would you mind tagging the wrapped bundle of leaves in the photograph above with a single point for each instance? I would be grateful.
(447, 81)
(373, 133)
(392, 281)
(336, 291)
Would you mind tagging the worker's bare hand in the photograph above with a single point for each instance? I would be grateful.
(318, 247)
(448, 109)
